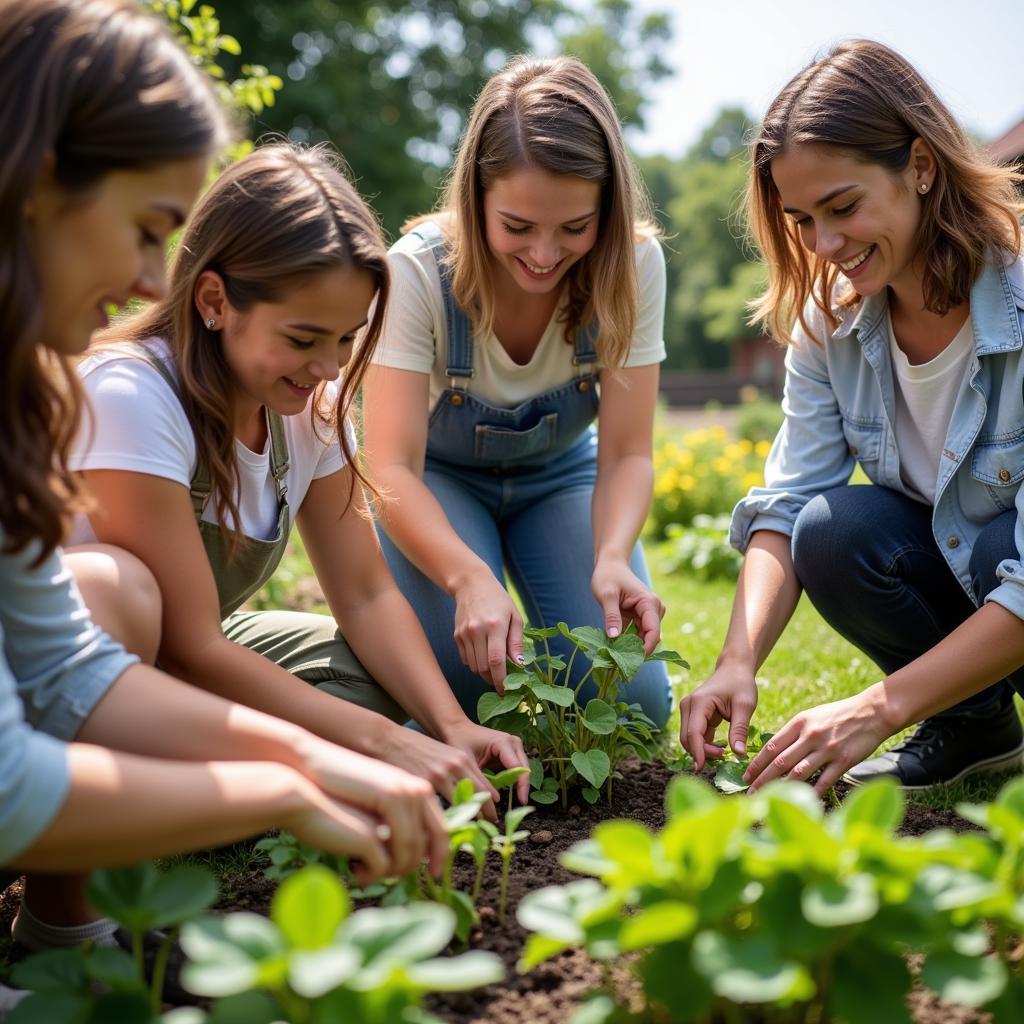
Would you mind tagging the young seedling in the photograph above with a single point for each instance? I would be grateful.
(505, 846)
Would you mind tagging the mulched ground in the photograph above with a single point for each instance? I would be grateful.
(550, 993)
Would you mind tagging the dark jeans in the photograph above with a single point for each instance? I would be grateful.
(868, 562)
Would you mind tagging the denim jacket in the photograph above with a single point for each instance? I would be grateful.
(839, 408)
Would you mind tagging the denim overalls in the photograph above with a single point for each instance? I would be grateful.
(516, 485)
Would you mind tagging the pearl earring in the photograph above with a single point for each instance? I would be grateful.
(923, 187)
(211, 323)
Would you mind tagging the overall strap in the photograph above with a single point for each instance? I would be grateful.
(200, 487)
(460, 336)
(278, 453)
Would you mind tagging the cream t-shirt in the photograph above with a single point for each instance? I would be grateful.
(137, 424)
(925, 396)
(415, 335)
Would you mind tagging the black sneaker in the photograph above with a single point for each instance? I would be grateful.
(948, 748)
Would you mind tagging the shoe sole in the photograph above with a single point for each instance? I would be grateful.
(990, 766)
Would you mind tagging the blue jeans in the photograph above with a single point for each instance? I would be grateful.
(868, 562)
(536, 525)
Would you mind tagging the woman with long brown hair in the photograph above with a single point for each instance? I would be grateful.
(108, 132)
(893, 249)
(217, 415)
(533, 295)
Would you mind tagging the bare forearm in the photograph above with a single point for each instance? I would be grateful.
(150, 808)
(237, 674)
(622, 499)
(419, 528)
(407, 670)
(979, 652)
(766, 596)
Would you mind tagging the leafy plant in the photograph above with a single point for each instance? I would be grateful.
(288, 855)
(317, 960)
(767, 903)
(702, 549)
(505, 844)
(573, 743)
(63, 981)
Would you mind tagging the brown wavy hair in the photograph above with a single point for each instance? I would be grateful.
(270, 222)
(555, 115)
(97, 86)
(867, 101)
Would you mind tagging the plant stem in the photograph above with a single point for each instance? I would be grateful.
(156, 985)
(506, 861)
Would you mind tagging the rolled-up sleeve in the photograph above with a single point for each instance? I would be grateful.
(1010, 571)
(61, 662)
(809, 454)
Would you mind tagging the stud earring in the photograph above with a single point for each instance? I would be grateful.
(923, 187)
(211, 323)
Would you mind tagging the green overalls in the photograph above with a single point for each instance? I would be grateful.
(309, 646)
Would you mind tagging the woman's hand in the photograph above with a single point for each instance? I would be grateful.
(488, 628)
(399, 799)
(489, 746)
(442, 765)
(730, 695)
(624, 598)
(829, 738)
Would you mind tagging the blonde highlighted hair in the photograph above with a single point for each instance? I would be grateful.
(864, 100)
(553, 115)
(267, 225)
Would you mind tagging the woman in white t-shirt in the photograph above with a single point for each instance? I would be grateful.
(535, 291)
(894, 255)
(214, 428)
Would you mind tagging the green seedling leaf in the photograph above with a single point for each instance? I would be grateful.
(749, 970)
(536, 633)
(517, 680)
(686, 795)
(627, 653)
(247, 1008)
(599, 717)
(588, 638)
(539, 797)
(835, 904)
(231, 954)
(660, 923)
(562, 696)
(181, 894)
(314, 973)
(54, 970)
(879, 804)
(457, 973)
(309, 907)
(114, 968)
(868, 986)
(593, 765)
(664, 654)
(559, 912)
(968, 980)
(729, 777)
(587, 858)
(536, 773)
(123, 894)
(590, 794)
(459, 815)
(491, 705)
(514, 818)
(507, 778)
(1011, 796)
(62, 1007)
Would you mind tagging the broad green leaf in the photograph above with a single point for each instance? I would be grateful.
(538, 949)
(502, 780)
(53, 970)
(247, 1008)
(55, 1007)
(593, 765)
(560, 911)
(630, 846)
(457, 973)
(539, 797)
(969, 980)
(749, 970)
(627, 652)
(231, 954)
(868, 987)
(309, 907)
(664, 654)
(668, 971)
(465, 914)
(313, 973)
(588, 638)
(123, 894)
(590, 794)
(538, 633)
(657, 924)
(729, 777)
(1012, 797)
(400, 935)
(586, 858)
(563, 696)
(119, 1008)
(600, 717)
(491, 705)
(686, 793)
(514, 818)
(835, 904)
(517, 680)
(115, 968)
(879, 804)
(536, 773)
(180, 894)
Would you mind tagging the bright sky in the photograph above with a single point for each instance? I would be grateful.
(742, 52)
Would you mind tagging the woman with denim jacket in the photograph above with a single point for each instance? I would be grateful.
(537, 287)
(895, 276)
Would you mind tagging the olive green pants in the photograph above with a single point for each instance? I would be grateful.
(312, 648)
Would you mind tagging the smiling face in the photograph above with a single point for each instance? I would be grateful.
(105, 246)
(860, 216)
(538, 224)
(280, 351)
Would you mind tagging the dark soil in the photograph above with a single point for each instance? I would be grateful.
(550, 993)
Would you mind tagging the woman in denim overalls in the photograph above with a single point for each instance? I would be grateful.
(894, 252)
(539, 288)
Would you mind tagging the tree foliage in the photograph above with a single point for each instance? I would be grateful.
(390, 82)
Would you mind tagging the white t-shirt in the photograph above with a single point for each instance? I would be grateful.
(925, 397)
(137, 424)
(415, 335)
